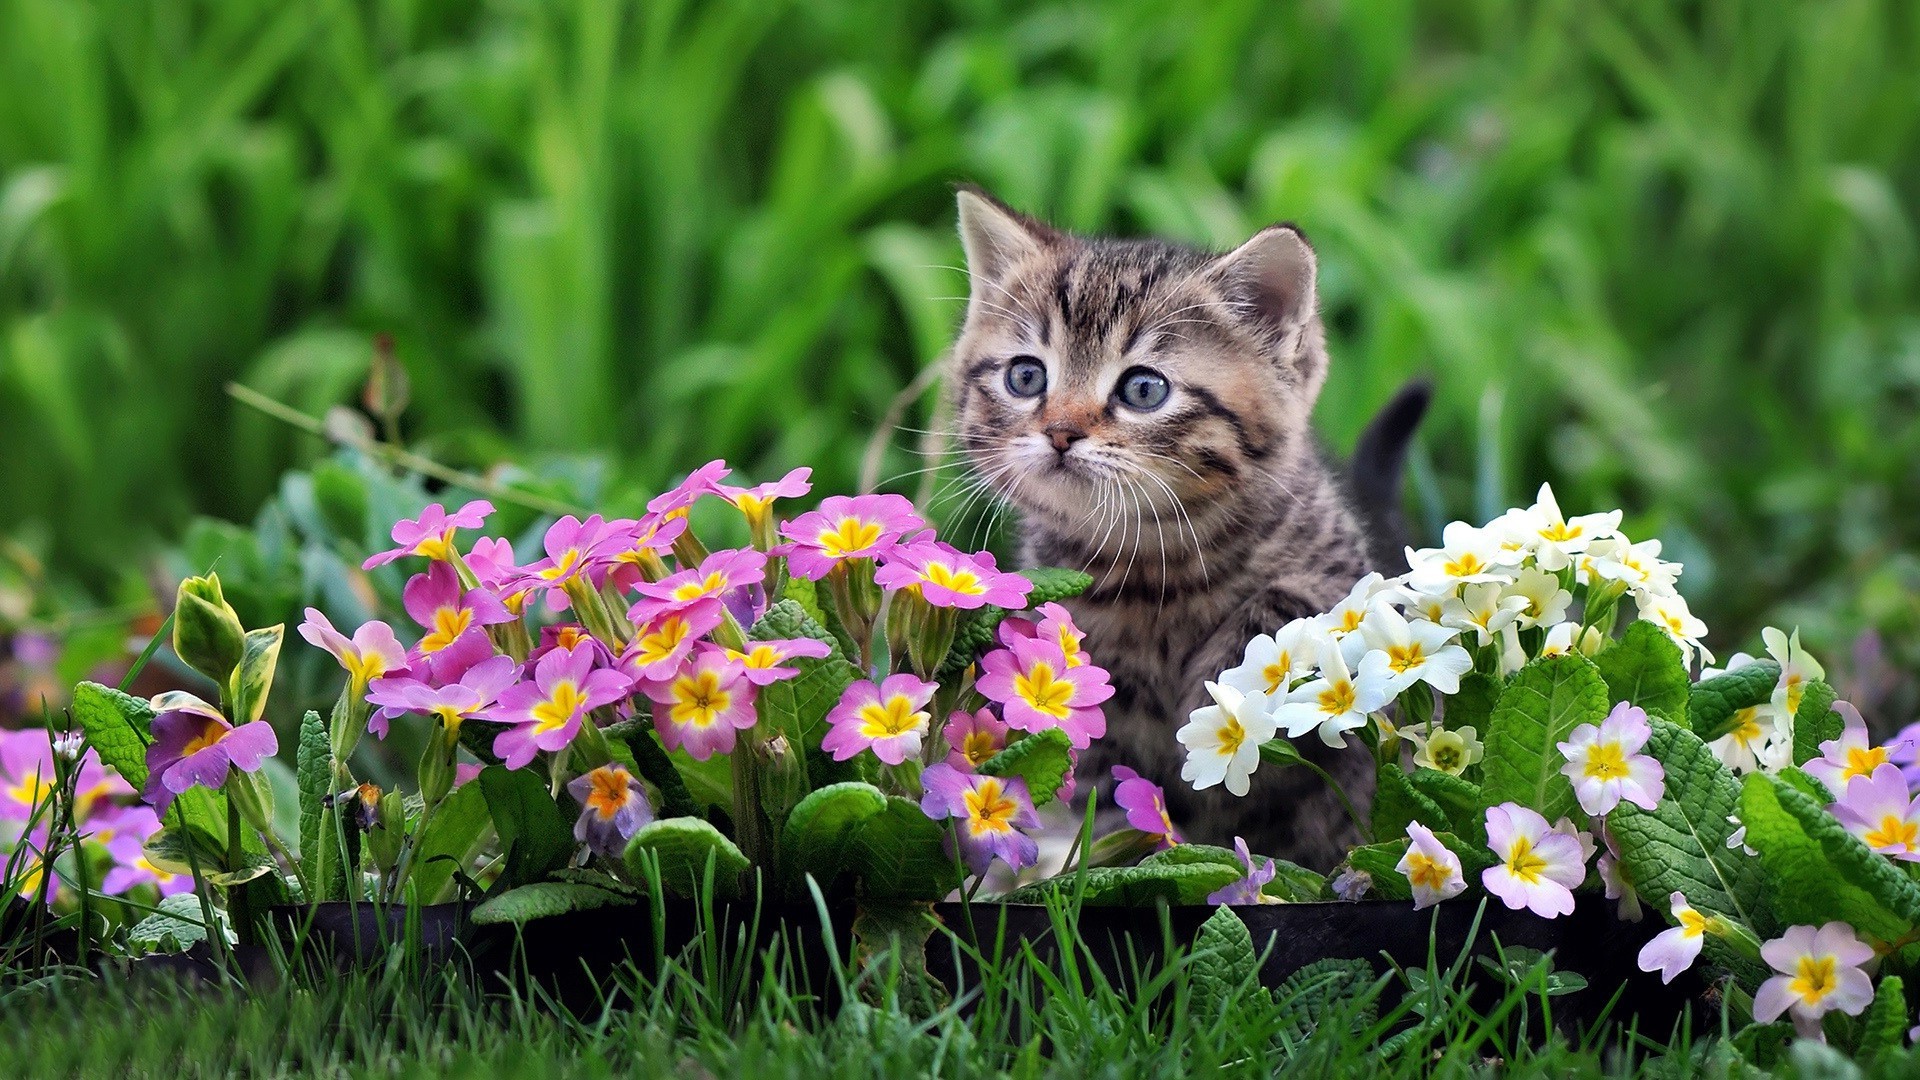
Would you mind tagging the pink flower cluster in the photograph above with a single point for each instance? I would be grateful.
(112, 831)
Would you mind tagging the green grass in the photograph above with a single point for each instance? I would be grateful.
(1661, 254)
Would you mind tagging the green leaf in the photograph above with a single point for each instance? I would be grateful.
(1539, 709)
(1459, 799)
(683, 848)
(821, 828)
(900, 854)
(319, 842)
(1316, 994)
(1473, 706)
(798, 707)
(175, 926)
(1223, 964)
(117, 726)
(533, 833)
(1815, 721)
(900, 930)
(1712, 703)
(1645, 668)
(1145, 885)
(543, 899)
(1195, 855)
(1042, 759)
(1295, 884)
(444, 843)
(253, 679)
(1380, 862)
(1884, 1027)
(1807, 785)
(168, 847)
(1397, 803)
(1681, 845)
(1054, 583)
(1816, 871)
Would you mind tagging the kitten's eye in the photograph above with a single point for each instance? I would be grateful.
(1026, 377)
(1143, 389)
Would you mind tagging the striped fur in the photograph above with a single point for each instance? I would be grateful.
(1204, 521)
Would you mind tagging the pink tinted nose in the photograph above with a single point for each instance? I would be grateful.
(1063, 436)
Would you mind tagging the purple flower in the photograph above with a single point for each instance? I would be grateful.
(1145, 804)
(888, 719)
(1853, 753)
(1247, 890)
(373, 651)
(27, 776)
(545, 712)
(478, 688)
(757, 502)
(703, 705)
(431, 534)
(948, 577)
(661, 646)
(716, 576)
(570, 636)
(763, 659)
(1037, 689)
(454, 620)
(1055, 625)
(574, 548)
(194, 746)
(972, 738)
(988, 813)
(132, 868)
(863, 527)
(492, 563)
(1882, 813)
(1606, 766)
(613, 806)
(704, 480)
(635, 545)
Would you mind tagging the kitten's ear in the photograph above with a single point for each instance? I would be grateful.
(996, 236)
(1274, 272)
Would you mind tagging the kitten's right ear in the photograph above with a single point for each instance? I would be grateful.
(996, 236)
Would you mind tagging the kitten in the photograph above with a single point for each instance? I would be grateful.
(1146, 406)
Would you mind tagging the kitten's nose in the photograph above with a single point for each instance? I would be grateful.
(1064, 436)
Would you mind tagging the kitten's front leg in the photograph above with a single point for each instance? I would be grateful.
(1289, 813)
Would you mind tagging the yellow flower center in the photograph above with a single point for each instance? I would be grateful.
(450, 718)
(1796, 690)
(1606, 761)
(1404, 658)
(364, 667)
(1692, 923)
(1231, 735)
(990, 808)
(1861, 761)
(30, 791)
(1276, 673)
(1894, 831)
(562, 568)
(659, 643)
(436, 547)
(608, 794)
(711, 585)
(1746, 726)
(964, 582)
(977, 747)
(849, 535)
(1522, 863)
(1466, 565)
(755, 507)
(448, 624)
(1071, 647)
(1350, 620)
(1560, 532)
(558, 710)
(890, 718)
(211, 732)
(1817, 977)
(698, 699)
(1039, 688)
(761, 657)
(1426, 873)
(1337, 700)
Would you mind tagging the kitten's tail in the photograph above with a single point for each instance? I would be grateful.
(1378, 473)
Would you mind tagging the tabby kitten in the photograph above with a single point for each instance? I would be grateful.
(1146, 406)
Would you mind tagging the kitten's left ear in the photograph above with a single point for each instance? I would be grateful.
(995, 235)
(1274, 272)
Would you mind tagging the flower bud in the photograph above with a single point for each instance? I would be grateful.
(436, 771)
(206, 632)
(389, 832)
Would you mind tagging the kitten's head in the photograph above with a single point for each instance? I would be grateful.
(1092, 370)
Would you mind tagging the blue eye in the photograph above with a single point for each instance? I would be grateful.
(1143, 389)
(1026, 377)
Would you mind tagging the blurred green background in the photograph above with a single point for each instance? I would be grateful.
(1661, 254)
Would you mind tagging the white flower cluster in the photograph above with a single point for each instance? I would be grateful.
(1762, 735)
(1495, 596)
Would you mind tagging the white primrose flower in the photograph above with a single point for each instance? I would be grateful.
(1447, 750)
(1432, 870)
(1670, 614)
(1346, 616)
(1274, 661)
(1561, 640)
(1483, 608)
(1544, 602)
(1734, 663)
(1335, 703)
(1757, 742)
(1637, 566)
(1674, 949)
(1797, 669)
(1223, 739)
(1555, 539)
(1466, 555)
(1401, 653)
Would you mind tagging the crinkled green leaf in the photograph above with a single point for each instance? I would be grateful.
(900, 854)
(1546, 700)
(1136, 886)
(253, 679)
(1681, 845)
(1311, 997)
(1380, 862)
(1884, 1027)
(175, 926)
(1815, 721)
(444, 843)
(1473, 705)
(683, 848)
(1712, 703)
(1193, 855)
(1816, 871)
(1813, 789)
(320, 859)
(543, 899)
(1042, 759)
(798, 707)
(1645, 668)
(1459, 799)
(900, 930)
(1397, 803)
(1295, 884)
(821, 828)
(536, 837)
(1223, 964)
